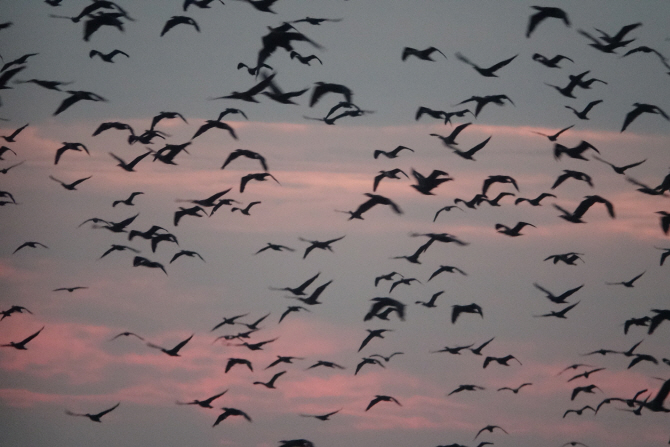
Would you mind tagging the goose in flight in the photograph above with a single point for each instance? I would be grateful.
(486, 72)
(551, 63)
(327, 364)
(94, 417)
(447, 268)
(468, 155)
(514, 231)
(619, 169)
(322, 88)
(314, 297)
(585, 374)
(392, 174)
(558, 299)
(382, 398)
(229, 320)
(577, 175)
(545, 12)
(515, 390)
(628, 283)
(478, 349)
(14, 309)
(69, 146)
(559, 314)
(4, 149)
(490, 428)
(573, 152)
(144, 262)
(450, 139)
(202, 4)
(11, 137)
(76, 96)
(193, 211)
(271, 383)
(648, 50)
(378, 333)
(18, 61)
(21, 345)
(583, 207)
(248, 154)
(227, 411)
(179, 20)
(126, 334)
(582, 114)
(321, 417)
(249, 95)
(214, 124)
(639, 109)
(291, 309)
(206, 403)
(391, 154)
(500, 360)
(534, 202)
(426, 184)
(30, 244)
(304, 59)
(68, 289)
(166, 115)
(466, 388)
(431, 301)
(106, 57)
(445, 208)
(260, 177)
(189, 253)
(232, 361)
(275, 247)
(6, 170)
(117, 247)
(484, 100)
(130, 166)
(555, 136)
(374, 199)
(70, 186)
(583, 389)
(245, 211)
(458, 309)
(323, 245)
(173, 352)
(579, 411)
(424, 55)
(129, 200)
(300, 290)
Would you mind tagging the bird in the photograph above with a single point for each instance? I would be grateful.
(292, 309)
(7, 75)
(577, 175)
(261, 177)
(431, 301)
(94, 417)
(610, 44)
(271, 383)
(144, 262)
(107, 57)
(639, 109)
(126, 334)
(491, 179)
(283, 359)
(468, 155)
(425, 185)
(69, 289)
(327, 364)
(490, 429)
(245, 211)
(257, 346)
(573, 152)
(254, 326)
(450, 139)
(202, 4)
(551, 63)
(323, 245)
(322, 88)
(304, 59)
(11, 138)
(229, 320)
(6, 170)
(4, 149)
(166, 115)
(18, 61)
(377, 333)
(629, 283)
(232, 361)
(500, 360)
(382, 398)
(206, 403)
(545, 12)
(424, 55)
(559, 314)
(188, 253)
(478, 349)
(392, 174)
(458, 309)
(648, 50)
(391, 154)
(665, 221)
(69, 146)
(555, 136)
(76, 96)
(70, 186)
(455, 351)
(642, 321)
(214, 124)
(382, 304)
(579, 411)
(300, 290)
(447, 268)
(374, 199)
(387, 359)
(646, 189)
(13, 309)
(656, 404)
(322, 417)
(173, 352)
(129, 200)
(117, 247)
(314, 297)
(583, 207)
(30, 244)
(619, 169)
(583, 389)
(585, 374)
(536, 201)
(248, 154)
(466, 388)
(513, 231)
(486, 72)
(445, 208)
(21, 345)
(515, 390)
(275, 247)
(227, 411)
(193, 211)
(179, 20)
(558, 299)
(249, 95)
(582, 114)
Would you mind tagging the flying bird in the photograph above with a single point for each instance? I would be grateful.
(458, 309)
(514, 390)
(271, 383)
(545, 12)
(230, 412)
(248, 154)
(628, 283)
(551, 63)
(424, 55)
(490, 429)
(583, 207)
(486, 72)
(323, 245)
(577, 175)
(558, 299)
(76, 96)
(206, 403)
(619, 169)
(260, 177)
(173, 352)
(179, 20)
(129, 200)
(94, 417)
(11, 138)
(639, 110)
(107, 57)
(21, 345)
(500, 360)
(30, 244)
(582, 114)
(573, 152)
(322, 417)
(382, 398)
(391, 154)
(512, 231)
(559, 314)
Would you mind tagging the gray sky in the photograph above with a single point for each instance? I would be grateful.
(73, 366)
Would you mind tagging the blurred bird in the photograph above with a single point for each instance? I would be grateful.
(639, 110)
(424, 55)
(179, 20)
(391, 154)
(486, 72)
(173, 352)
(206, 403)
(106, 57)
(21, 345)
(458, 309)
(271, 383)
(545, 12)
(230, 412)
(94, 417)
(381, 398)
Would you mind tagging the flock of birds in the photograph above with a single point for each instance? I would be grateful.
(288, 36)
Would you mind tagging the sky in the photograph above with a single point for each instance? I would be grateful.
(322, 171)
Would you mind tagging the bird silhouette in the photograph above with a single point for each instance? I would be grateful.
(11, 138)
(573, 152)
(468, 155)
(629, 283)
(126, 334)
(109, 57)
(260, 177)
(583, 207)
(173, 352)
(300, 290)
(425, 185)
(512, 231)
(227, 411)
(515, 390)
(13, 309)
(558, 299)
(314, 297)
(585, 374)
(619, 169)
(424, 55)
(326, 364)
(582, 115)
(486, 72)
(232, 361)
(245, 153)
(559, 314)
(21, 345)
(322, 245)
(382, 398)
(545, 12)
(579, 411)
(478, 349)
(322, 88)
(271, 383)
(68, 289)
(583, 389)
(202, 4)
(450, 139)
(249, 95)
(431, 301)
(245, 211)
(94, 417)
(577, 175)
(639, 110)
(30, 244)
(551, 63)
(304, 59)
(70, 186)
(555, 136)
(292, 309)
(283, 359)
(206, 403)
(458, 309)
(466, 388)
(445, 208)
(322, 417)
(500, 360)
(117, 247)
(7, 169)
(188, 253)
(377, 333)
(392, 174)
(374, 199)
(274, 247)
(490, 429)
(179, 20)
(129, 200)
(391, 154)
(76, 96)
